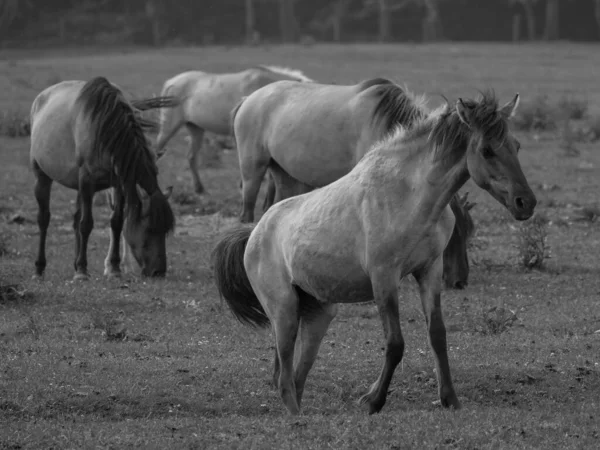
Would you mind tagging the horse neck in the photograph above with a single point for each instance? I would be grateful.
(439, 174)
(148, 182)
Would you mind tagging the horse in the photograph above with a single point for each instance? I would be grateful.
(206, 102)
(286, 128)
(88, 137)
(354, 239)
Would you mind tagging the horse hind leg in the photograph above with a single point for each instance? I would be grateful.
(196, 137)
(42, 189)
(113, 258)
(312, 332)
(282, 308)
(86, 224)
(253, 173)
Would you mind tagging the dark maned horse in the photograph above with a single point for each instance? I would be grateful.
(308, 135)
(88, 137)
(352, 240)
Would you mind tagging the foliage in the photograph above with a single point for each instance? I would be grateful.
(14, 124)
(532, 244)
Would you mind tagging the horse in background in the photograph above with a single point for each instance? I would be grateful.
(352, 240)
(88, 137)
(309, 135)
(206, 101)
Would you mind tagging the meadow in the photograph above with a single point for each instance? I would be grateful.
(136, 363)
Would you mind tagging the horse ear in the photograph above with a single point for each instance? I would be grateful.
(463, 112)
(144, 198)
(168, 191)
(510, 108)
(469, 205)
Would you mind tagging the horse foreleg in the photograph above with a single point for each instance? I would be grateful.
(312, 332)
(430, 287)
(386, 297)
(113, 258)
(86, 224)
(196, 136)
(43, 185)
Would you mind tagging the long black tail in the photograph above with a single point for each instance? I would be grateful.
(231, 278)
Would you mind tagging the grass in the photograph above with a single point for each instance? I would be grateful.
(161, 364)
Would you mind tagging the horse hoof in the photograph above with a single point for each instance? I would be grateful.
(112, 274)
(81, 277)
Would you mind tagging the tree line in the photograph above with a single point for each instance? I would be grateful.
(157, 22)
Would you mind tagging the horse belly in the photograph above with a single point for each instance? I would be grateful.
(53, 149)
(338, 288)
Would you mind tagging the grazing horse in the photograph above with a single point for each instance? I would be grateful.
(309, 135)
(354, 239)
(88, 137)
(206, 103)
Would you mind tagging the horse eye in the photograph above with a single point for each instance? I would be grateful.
(488, 152)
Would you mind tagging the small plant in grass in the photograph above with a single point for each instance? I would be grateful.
(593, 128)
(14, 124)
(573, 108)
(569, 136)
(496, 320)
(537, 114)
(532, 244)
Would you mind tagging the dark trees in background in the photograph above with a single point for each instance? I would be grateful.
(156, 22)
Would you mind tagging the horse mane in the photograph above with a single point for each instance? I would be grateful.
(396, 106)
(117, 132)
(298, 75)
(448, 132)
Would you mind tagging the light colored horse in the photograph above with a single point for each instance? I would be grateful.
(88, 137)
(206, 103)
(354, 239)
(311, 134)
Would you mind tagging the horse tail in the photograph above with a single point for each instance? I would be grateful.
(171, 116)
(146, 104)
(232, 280)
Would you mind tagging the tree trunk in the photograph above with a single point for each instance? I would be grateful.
(250, 21)
(337, 19)
(597, 14)
(516, 28)
(287, 21)
(153, 18)
(530, 16)
(432, 24)
(551, 28)
(384, 21)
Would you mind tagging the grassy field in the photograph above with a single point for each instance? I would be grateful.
(162, 364)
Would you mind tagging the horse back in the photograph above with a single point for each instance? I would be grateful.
(53, 146)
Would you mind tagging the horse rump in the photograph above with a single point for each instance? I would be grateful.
(231, 278)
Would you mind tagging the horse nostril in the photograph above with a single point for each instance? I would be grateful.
(520, 204)
(460, 284)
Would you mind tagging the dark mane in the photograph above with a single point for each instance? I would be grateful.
(395, 106)
(118, 133)
(449, 131)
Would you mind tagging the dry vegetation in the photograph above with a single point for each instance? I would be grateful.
(160, 364)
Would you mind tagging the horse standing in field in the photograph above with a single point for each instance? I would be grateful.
(309, 135)
(354, 239)
(88, 137)
(206, 103)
